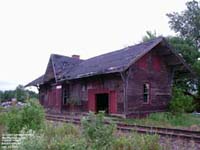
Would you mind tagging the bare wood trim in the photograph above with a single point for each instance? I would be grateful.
(174, 64)
(54, 69)
(123, 76)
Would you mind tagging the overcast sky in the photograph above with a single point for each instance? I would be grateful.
(31, 30)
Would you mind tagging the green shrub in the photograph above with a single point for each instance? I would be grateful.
(30, 116)
(13, 121)
(180, 102)
(98, 135)
(33, 116)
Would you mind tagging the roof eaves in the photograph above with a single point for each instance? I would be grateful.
(38, 81)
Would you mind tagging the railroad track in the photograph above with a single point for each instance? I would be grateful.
(167, 132)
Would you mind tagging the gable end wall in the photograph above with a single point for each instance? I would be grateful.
(150, 69)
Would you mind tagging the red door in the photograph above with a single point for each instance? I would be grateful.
(92, 99)
(112, 102)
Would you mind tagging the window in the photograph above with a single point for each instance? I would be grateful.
(84, 87)
(146, 93)
(65, 94)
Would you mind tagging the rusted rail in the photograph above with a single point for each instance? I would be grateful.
(167, 132)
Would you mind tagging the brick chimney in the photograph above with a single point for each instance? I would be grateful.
(76, 56)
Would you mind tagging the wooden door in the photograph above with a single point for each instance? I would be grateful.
(112, 102)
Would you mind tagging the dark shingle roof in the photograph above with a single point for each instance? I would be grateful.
(63, 64)
(36, 82)
(60, 63)
(68, 68)
(111, 62)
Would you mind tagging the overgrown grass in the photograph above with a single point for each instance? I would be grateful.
(167, 119)
(92, 135)
(31, 116)
(137, 141)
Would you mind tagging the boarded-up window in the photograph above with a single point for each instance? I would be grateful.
(65, 94)
(146, 92)
(156, 63)
(142, 63)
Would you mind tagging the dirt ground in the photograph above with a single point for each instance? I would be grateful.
(178, 144)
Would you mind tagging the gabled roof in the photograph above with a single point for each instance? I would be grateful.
(56, 65)
(59, 64)
(116, 61)
(67, 68)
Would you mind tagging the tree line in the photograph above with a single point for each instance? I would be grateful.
(20, 93)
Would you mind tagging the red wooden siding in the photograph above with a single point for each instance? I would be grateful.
(156, 63)
(157, 75)
(142, 62)
(51, 97)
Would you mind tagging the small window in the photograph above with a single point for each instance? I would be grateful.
(65, 94)
(84, 87)
(146, 95)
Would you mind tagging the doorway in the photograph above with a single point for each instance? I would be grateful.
(102, 102)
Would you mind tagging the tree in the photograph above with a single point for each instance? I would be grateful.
(149, 36)
(180, 102)
(186, 48)
(1, 96)
(8, 95)
(21, 93)
(32, 94)
(189, 52)
(187, 23)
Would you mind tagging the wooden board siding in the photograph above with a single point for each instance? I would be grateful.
(50, 97)
(150, 69)
(81, 88)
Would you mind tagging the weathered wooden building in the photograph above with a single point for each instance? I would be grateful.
(133, 81)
